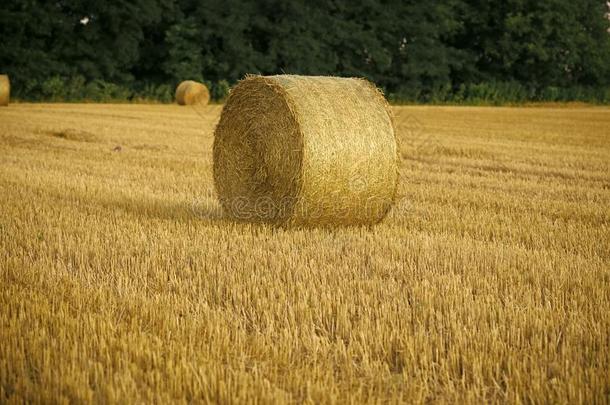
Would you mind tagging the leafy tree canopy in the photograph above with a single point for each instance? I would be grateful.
(414, 50)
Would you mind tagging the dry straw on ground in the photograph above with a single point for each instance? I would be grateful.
(190, 92)
(298, 150)
(5, 90)
(119, 283)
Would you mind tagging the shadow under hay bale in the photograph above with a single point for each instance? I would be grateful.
(190, 92)
(299, 150)
(5, 90)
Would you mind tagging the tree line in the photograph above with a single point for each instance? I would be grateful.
(433, 51)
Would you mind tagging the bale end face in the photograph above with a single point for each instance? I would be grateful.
(302, 150)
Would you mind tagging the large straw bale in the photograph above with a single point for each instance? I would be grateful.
(306, 150)
(5, 90)
(190, 92)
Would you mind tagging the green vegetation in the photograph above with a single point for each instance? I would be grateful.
(446, 51)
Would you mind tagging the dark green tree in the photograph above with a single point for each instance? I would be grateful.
(550, 43)
(430, 51)
(184, 59)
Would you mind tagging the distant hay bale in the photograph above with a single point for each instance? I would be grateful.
(190, 92)
(306, 150)
(5, 90)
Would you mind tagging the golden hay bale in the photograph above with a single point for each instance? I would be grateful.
(190, 93)
(306, 150)
(5, 90)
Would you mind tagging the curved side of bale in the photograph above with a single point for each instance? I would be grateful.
(190, 92)
(5, 90)
(180, 90)
(299, 150)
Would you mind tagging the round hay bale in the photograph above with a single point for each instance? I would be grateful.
(190, 92)
(5, 90)
(306, 150)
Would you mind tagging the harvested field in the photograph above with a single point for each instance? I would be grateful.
(122, 281)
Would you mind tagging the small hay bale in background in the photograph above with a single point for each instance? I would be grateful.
(5, 90)
(306, 150)
(190, 92)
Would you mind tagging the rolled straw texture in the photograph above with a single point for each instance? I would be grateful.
(306, 151)
(190, 92)
(5, 90)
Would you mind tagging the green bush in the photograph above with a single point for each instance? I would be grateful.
(440, 94)
(77, 89)
(74, 90)
(54, 89)
(495, 92)
(606, 95)
(220, 90)
(101, 91)
(551, 93)
(163, 93)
